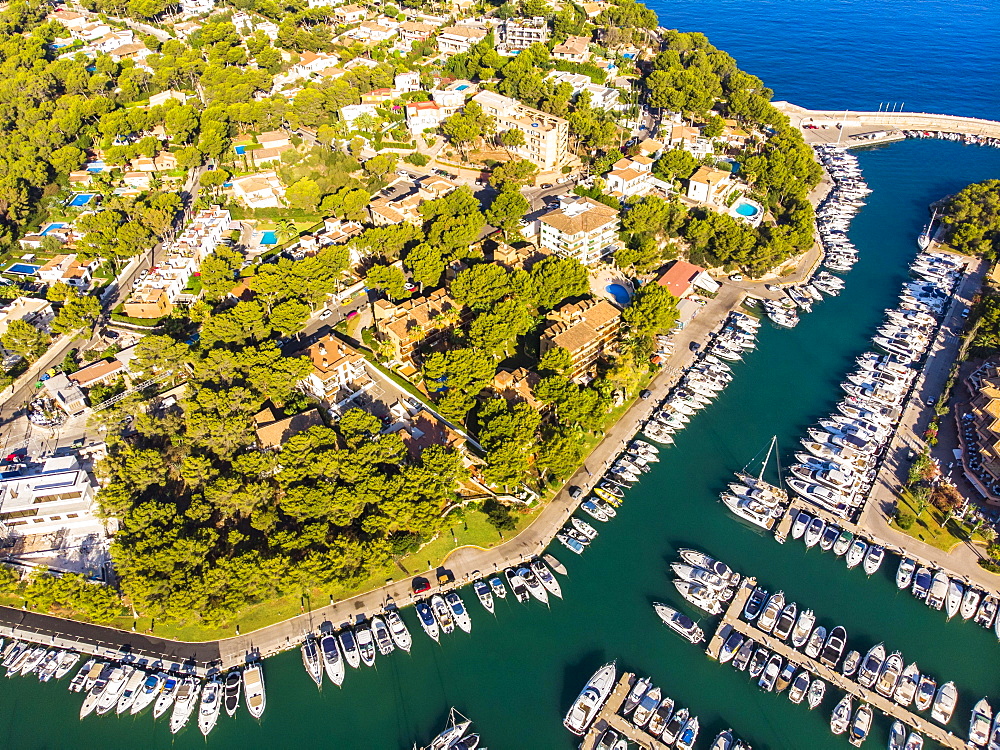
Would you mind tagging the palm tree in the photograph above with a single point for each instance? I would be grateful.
(286, 230)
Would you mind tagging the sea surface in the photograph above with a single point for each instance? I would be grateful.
(517, 672)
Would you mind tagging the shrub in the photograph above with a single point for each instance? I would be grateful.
(416, 159)
(991, 565)
(905, 521)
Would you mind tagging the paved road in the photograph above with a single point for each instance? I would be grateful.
(909, 436)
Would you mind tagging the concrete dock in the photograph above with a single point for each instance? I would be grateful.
(610, 718)
(731, 620)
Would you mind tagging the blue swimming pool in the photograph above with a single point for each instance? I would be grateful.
(463, 87)
(22, 269)
(82, 199)
(746, 209)
(269, 238)
(620, 293)
(53, 227)
(241, 150)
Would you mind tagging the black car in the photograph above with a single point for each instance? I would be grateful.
(575, 492)
(645, 393)
(694, 346)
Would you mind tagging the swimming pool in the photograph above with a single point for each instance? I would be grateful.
(241, 150)
(22, 269)
(81, 199)
(53, 227)
(621, 294)
(269, 238)
(746, 209)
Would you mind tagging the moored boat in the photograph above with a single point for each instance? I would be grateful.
(639, 689)
(209, 706)
(427, 620)
(679, 623)
(380, 632)
(892, 670)
(833, 648)
(333, 660)
(979, 724)
(231, 691)
(366, 645)
(769, 615)
(184, 703)
(815, 643)
(861, 725)
(649, 703)
(785, 622)
(311, 660)
(755, 603)
(517, 585)
(485, 596)
(457, 606)
(851, 662)
(443, 614)
(906, 690)
(817, 690)
(926, 690)
(871, 665)
(904, 573)
(545, 577)
(151, 688)
(253, 689)
(168, 693)
(742, 658)
(840, 719)
(953, 602)
(397, 629)
(349, 646)
(800, 687)
(944, 703)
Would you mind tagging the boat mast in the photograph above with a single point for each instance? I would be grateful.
(774, 442)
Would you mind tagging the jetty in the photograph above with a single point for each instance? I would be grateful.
(731, 622)
(609, 718)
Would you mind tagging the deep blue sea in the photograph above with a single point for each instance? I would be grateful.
(517, 672)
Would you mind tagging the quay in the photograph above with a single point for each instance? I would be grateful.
(731, 621)
(608, 717)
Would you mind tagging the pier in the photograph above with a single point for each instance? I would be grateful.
(608, 717)
(731, 621)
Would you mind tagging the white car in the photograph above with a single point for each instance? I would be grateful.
(325, 314)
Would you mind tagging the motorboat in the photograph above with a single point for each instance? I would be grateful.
(534, 586)
(151, 688)
(769, 615)
(584, 528)
(67, 660)
(979, 724)
(785, 677)
(862, 725)
(758, 661)
(167, 696)
(851, 662)
(833, 648)
(830, 536)
(994, 742)
(987, 611)
(921, 583)
(113, 690)
(349, 643)
(954, 600)
(132, 687)
(639, 689)
(770, 674)
(184, 703)
(76, 685)
(873, 559)
(427, 621)
(944, 703)
(699, 575)
(588, 507)
(926, 689)
(366, 644)
(48, 666)
(209, 706)
(814, 531)
(253, 689)
(545, 577)
(573, 545)
(649, 703)
(674, 726)
(815, 643)
(458, 611)
(891, 672)
(699, 596)
(938, 591)
(871, 665)
(906, 690)
(730, 646)
(800, 524)
(916, 742)
(333, 660)
(800, 687)
(517, 585)
(688, 734)
(897, 736)
(803, 627)
(742, 658)
(485, 596)
(823, 497)
(785, 622)
(840, 719)
(231, 691)
(679, 623)
(658, 721)
(970, 603)
(904, 573)
(817, 690)
(380, 633)
(750, 510)
(96, 690)
(443, 613)
(754, 604)
(843, 543)
(856, 553)
(397, 629)
(701, 560)
(311, 660)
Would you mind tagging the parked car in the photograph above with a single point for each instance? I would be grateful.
(694, 346)
(420, 585)
(575, 492)
(325, 314)
(736, 277)
(645, 393)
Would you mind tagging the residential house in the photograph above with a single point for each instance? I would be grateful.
(651, 148)
(422, 115)
(411, 32)
(454, 40)
(517, 386)
(66, 394)
(261, 190)
(186, 29)
(68, 269)
(407, 81)
(348, 14)
(164, 96)
(520, 33)
(148, 303)
(37, 312)
(580, 228)
(136, 180)
(681, 279)
(416, 325)
(196, 7)
(690, 139)
(375, 31)
(97, 372)
(574, 49)
(601, 97)
(593, 10)
(338, 371)
(546, 137)
(733, 135)
(113, 40)
(709, 185)
(57, 497)
(135, 52)
(352, 112)
(334, 232)
(310, 63)
(72, 20)
(273, 431)
(630, 178)
(588, 330)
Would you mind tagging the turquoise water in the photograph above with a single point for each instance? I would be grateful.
(81, 199)
(516, 673)
(22, 269)
(269, 238)
(620, 293)
(746, 209)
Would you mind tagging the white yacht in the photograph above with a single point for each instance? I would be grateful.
(210, 705)
(333, 660)
(591, 700)
(679, 623)
(253, 689)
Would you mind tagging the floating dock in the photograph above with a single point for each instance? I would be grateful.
(731, 621)
(609, 718)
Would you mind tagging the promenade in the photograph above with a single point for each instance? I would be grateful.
(464, 564)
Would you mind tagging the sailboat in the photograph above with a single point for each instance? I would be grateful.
(924, 240)
(761, 505)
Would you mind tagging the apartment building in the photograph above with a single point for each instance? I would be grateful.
(338, 371)
(546, 137)
(601, 97)
(57, 497)
(588, 330)
(580, 228)
(520, 33)
(417, 324)
(454, 40)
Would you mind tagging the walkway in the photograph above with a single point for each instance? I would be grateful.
(731, 621)
(867, 121)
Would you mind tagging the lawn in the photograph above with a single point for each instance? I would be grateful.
(930, 526)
